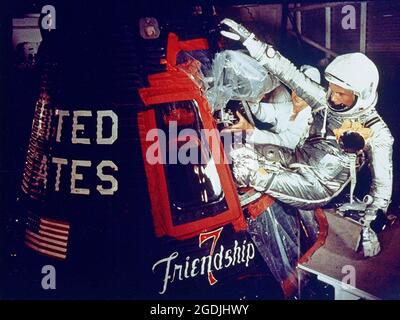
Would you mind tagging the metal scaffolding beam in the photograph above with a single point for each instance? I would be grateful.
(321, 6)
(315, 44)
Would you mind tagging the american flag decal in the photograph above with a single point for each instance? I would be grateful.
(49, 237)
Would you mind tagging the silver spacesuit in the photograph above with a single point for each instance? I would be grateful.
(320, 169)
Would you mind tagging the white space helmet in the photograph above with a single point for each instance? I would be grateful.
(355, 72)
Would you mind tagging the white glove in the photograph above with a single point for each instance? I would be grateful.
(245, 165)
(370, 242)
(368, 239)
(237, 32)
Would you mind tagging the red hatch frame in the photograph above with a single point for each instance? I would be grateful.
(172, 86)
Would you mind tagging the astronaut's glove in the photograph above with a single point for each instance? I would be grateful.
(237, 32)
(369, 242)
(245, 165)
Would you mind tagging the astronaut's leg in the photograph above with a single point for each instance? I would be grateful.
(275, 154)
(300, 185)
(247, 162)
(301, 190)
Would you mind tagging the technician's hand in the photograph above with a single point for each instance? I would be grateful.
(243, 124)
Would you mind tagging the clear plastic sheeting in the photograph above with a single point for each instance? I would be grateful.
(276, 235)
(197, 65)
(236, 76)
(310, 224)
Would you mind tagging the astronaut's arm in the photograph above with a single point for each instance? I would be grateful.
(379, 152)
(287, 72)
(277, 64)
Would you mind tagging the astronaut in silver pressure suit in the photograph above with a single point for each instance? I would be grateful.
(320, 169)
